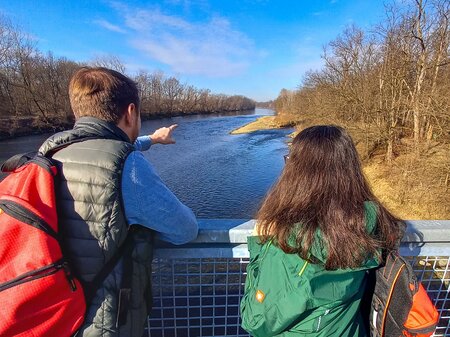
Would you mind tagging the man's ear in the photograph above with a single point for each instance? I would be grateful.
(130, 114)
(128, 121)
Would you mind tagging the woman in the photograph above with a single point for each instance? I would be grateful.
(320, 229)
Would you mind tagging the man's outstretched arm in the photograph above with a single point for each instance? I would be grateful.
(150, 203)
(160, 136)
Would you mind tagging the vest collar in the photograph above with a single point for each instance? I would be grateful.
(84, 128)
(103, 129)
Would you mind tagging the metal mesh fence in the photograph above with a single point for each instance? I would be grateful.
(434, 273)
(200, 297)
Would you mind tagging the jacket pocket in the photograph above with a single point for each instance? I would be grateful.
(276, 292)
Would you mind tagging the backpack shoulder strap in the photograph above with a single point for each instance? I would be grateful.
(16, 161)
(392, 296)
(125, 252)
(91, 287)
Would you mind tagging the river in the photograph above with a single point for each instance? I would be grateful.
(217, 174)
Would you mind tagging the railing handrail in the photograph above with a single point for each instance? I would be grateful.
(228, 238)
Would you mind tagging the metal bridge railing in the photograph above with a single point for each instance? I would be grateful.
(197, 287)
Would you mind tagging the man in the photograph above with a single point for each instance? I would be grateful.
(109, 192)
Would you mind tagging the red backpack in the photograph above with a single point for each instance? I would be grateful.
(38, 294)
(400, 305)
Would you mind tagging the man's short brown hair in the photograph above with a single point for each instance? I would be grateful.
(102, 93)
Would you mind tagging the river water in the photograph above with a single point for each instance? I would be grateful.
(217, 174)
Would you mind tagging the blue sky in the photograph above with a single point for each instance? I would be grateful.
(249, 47)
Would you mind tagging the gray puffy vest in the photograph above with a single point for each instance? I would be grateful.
(93, 225)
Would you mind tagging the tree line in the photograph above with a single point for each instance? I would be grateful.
(266, 105)
(34, 88)
(392, 81)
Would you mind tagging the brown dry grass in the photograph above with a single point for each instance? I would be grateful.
(413, 186)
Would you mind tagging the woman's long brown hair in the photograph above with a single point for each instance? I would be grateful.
(322, 187)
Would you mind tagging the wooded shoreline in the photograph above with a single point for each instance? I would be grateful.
(10, 129)
(34, 88)
(388, 85)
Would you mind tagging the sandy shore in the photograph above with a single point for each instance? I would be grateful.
(262, 123)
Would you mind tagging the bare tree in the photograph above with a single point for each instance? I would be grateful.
(108, 61)
(33, 87)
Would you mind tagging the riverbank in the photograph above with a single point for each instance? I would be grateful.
(13, 128)
(262, 123)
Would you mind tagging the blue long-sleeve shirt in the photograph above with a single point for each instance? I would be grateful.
(148, 201)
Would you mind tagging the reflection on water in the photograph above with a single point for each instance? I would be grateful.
(217, 174)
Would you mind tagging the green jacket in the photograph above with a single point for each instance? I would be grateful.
(297, 298)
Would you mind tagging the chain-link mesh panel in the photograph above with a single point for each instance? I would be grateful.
(200, 297)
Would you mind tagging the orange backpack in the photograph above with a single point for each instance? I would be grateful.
(400, 305)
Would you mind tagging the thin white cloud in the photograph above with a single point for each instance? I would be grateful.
(109, 26)
(212, 48)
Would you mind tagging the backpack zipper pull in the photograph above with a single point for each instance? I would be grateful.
(69, 275)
